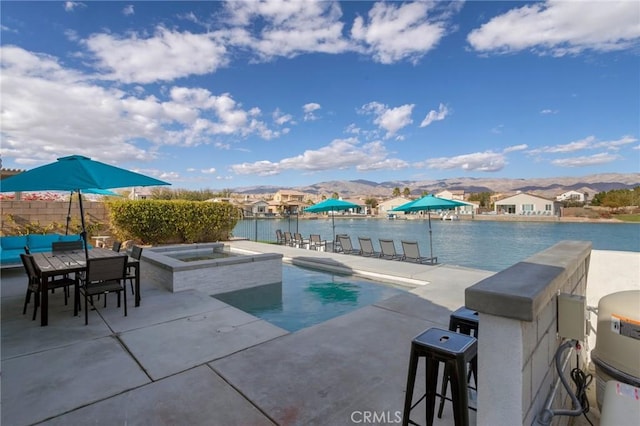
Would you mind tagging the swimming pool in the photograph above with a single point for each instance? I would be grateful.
(306, 297)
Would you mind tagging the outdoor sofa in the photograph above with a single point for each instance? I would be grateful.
(12, 246)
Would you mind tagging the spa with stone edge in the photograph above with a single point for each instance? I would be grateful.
(211, 267)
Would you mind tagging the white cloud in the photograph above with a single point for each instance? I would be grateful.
(487, 161)
(209, 171)
(390, 119)
(395, 32)
(548, 111)
(286, 28)
(339, 154)
(281, 118)
(165, 56)
(515, 148)
(128, 10)
(70, 6)
(561, 27)
(309, 111)
(434, 115)
(65, 112)
(602, 158)
(590, 142)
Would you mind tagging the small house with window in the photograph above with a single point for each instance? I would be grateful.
(527, 205)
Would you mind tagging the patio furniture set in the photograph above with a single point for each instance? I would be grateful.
(67, 266)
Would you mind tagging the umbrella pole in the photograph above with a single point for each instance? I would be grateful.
(84, 229)
(66, 232)
(333, 226)
(430, 238)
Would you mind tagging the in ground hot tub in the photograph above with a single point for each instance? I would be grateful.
(210, 267)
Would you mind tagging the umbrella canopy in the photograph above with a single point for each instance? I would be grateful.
(428, 203)
(76, 173)
(331, 205)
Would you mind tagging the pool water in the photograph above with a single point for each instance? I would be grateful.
(306, 297)
(194, 256)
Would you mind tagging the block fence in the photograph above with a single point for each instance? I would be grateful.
(518, 333)
(47, 212)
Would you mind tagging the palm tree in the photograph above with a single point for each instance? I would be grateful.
(396, 192)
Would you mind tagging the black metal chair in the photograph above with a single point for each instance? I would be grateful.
(116, 246)
(136, 253)
(34, 284)
(104, 275)
(66, 246)
(316, 243)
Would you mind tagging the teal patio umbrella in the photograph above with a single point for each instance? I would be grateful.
(428, 203)
(76, 173)
(331, 205)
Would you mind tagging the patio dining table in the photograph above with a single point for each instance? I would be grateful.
(51, 264)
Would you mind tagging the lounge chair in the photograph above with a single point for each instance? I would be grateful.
(366, 247)
(316, 243)
(288, 238)
(411, 252)
(388, 250)
(345, 244)
(299, 241)
(279, 237)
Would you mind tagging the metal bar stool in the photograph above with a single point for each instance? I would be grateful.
(464, 321)
(455, 350)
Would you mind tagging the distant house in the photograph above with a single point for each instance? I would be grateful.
(572, 196)
(255, 208)
(287, 201)
(385, 206)
(454, 194)
(527, 204)
(140, 193)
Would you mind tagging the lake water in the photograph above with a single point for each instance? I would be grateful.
(489, 245)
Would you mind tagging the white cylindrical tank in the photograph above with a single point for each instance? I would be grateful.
(617, 352)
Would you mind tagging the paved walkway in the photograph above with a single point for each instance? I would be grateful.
(187, 358)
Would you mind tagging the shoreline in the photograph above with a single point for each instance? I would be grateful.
(486, 218)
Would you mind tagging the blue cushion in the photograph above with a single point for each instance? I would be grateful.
(13, 242)
(42, 241)
(72, 237)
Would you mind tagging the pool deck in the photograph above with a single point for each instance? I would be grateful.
(189, 359)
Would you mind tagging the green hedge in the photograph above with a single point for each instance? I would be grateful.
(162, 222)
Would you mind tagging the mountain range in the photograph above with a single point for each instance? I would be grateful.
(545, 187)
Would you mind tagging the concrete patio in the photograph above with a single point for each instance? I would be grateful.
(187, 358)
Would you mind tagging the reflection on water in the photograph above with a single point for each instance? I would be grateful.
(306, 297)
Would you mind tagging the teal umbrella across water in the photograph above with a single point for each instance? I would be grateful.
(331, 205)
(428, 203)
(76, 173)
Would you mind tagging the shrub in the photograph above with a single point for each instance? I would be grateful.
(161, 221)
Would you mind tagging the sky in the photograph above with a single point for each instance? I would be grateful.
(219, 95)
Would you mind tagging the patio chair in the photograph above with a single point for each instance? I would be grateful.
(33, 286)
(136, 253)
(65, 246)
(388, 250)
(345, 244)
(299, 241)
(279, 236)
(366, 247)
(316, 243)
(288, 238)
(116, 246)
(104, 275)
(411, 252)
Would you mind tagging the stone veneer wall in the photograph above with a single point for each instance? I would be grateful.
(47, 212)
(518, 333)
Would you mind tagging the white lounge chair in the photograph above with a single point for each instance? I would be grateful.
(411, 252)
